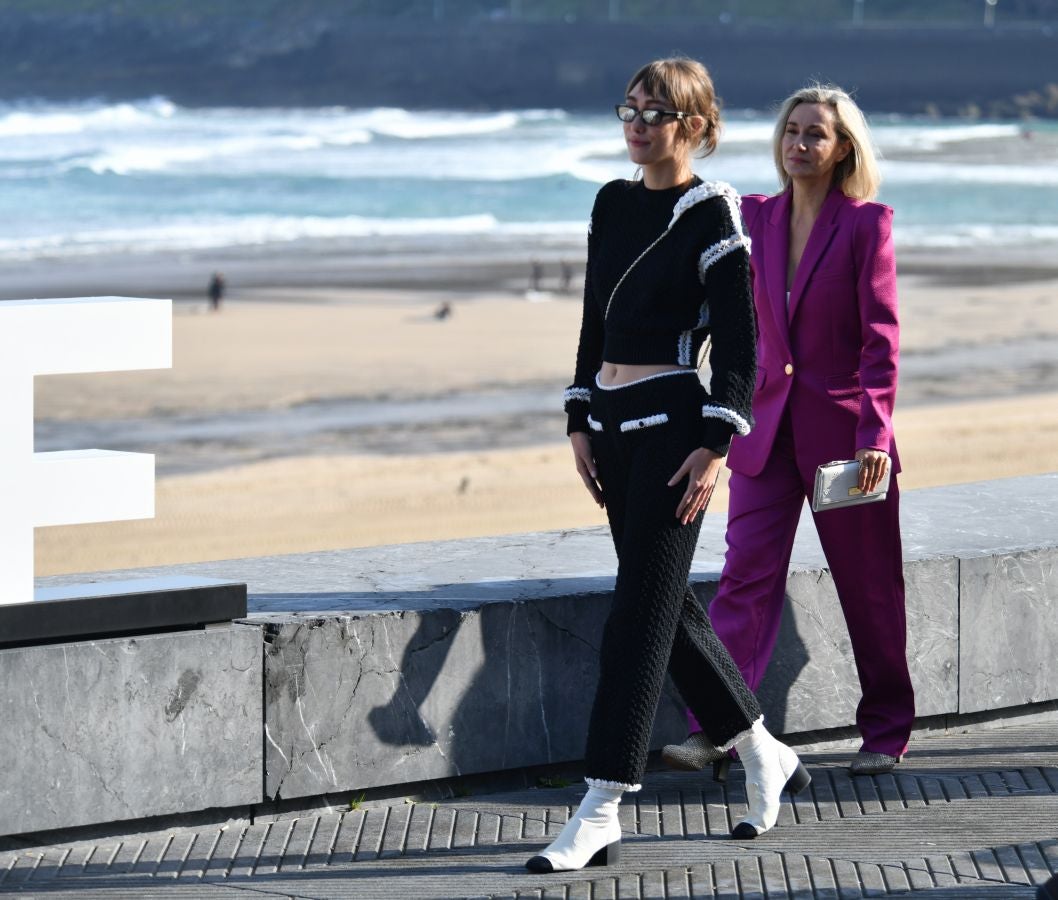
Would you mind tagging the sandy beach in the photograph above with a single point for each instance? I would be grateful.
(326, 414)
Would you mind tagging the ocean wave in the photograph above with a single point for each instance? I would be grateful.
(400, 123)
(158, 136)
(138, 175)
(36, 120)
(206, 234)
(741, 131)
(272, 150)
(910, 136)
(979, 174)
(969, 236)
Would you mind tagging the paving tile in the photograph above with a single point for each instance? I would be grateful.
(968, 817)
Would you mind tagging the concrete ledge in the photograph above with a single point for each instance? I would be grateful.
(108, 609)
(391, 665)
(105, 730)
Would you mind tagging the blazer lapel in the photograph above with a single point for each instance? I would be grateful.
(778, 252)
(822, 233)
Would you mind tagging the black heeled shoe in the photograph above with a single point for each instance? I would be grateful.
(867, 763)
(694, 754)
(721, 767)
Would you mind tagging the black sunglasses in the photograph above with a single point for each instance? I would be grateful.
(649, 116)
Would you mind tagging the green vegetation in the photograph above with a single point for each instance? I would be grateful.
(954, 12)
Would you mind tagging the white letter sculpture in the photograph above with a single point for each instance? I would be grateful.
(49, 337)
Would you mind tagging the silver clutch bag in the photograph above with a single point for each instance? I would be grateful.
(837, 485)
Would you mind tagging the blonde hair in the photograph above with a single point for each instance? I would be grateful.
(857, 174)
(686, 84)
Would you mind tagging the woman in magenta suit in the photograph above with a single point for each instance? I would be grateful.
(824, 280)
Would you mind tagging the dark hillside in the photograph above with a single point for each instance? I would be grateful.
(303, 53)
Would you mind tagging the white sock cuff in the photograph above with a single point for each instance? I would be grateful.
(757, 726)
(612, 785)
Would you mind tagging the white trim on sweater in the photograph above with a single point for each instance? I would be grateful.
(623, 385)
(684, 345)
(576, 393)
(719, 250)
(711, 411)
(705, 191)
(645, 422)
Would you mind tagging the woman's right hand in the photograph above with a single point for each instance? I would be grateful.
(585, 461)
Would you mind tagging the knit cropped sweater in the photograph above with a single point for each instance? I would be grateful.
(666, 269)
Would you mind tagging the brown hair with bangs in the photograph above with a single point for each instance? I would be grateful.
(685, 83)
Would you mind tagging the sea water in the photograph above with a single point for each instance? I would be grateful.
(92, 178)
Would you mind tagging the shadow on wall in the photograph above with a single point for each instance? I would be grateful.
(508, 684)
(788, 661)
(451, 681)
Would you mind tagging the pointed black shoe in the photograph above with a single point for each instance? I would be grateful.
(867, 763)
(694, 754)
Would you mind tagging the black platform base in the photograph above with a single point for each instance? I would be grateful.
(113, 608)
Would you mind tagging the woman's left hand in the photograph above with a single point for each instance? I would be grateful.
(873, 464)
(701, 468)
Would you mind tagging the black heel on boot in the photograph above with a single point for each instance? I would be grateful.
(609, 855)
(799, 780)
(721, 768)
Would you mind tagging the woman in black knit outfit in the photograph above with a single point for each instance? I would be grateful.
(668, 266)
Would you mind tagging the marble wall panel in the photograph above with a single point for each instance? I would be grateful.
(384, 698)
(1009, 629)
(107, 730)
(811, 682)
(358, 702)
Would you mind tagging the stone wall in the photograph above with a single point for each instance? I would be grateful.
(105, 730)
(391, 665)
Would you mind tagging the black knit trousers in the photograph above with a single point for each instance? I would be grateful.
(655, 623)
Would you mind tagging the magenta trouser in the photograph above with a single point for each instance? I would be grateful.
(862, 547)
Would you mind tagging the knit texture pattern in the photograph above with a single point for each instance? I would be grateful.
(654, 299)
(655, 623)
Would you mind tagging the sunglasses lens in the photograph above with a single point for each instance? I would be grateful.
(625, 113)
(651, 116)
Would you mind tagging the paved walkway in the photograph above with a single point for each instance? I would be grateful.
(967, 817)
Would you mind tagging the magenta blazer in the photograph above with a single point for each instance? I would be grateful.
(831, 355)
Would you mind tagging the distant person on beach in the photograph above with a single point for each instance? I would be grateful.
(536, 275)
(216, 291)
(565, 281)
(668, 267)
(824, 278)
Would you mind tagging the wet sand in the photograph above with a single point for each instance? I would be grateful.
(329, 415)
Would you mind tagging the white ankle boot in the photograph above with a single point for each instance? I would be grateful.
(592, 837)
(771, 767)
